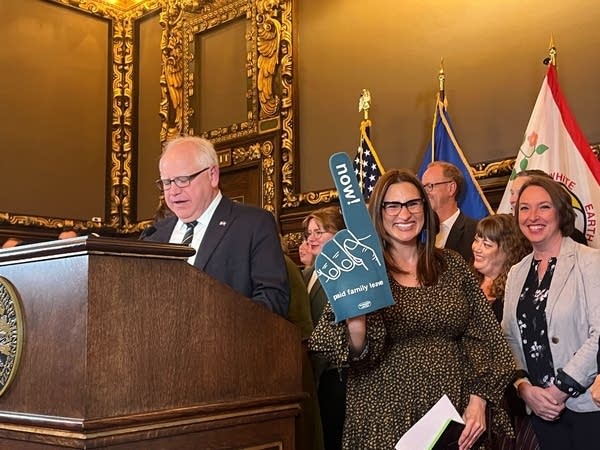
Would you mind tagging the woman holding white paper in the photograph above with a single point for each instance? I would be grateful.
(439, 338)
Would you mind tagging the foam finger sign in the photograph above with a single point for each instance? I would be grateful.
(350, 266)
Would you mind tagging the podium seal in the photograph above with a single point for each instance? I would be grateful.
(11, 333)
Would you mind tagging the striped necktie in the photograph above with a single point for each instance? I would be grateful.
(189, 233)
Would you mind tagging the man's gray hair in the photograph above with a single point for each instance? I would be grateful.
(205, 149)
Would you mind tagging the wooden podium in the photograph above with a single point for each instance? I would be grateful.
(126, 346)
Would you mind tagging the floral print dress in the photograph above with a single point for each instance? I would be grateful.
(533, 327)
(435, 340)
(531, 317)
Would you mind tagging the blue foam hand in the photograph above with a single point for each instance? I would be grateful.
(350, 266)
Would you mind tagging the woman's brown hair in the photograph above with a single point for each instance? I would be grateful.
(561, 199)
(431, 262)
(502, 229)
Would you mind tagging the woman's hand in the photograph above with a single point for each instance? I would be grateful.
(357, 332)
(545, 403)
(596, 390)
(474, 418)
(558, 395)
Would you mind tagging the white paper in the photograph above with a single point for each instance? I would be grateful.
(422, 434)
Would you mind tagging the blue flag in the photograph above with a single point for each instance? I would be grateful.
(445, 148)
(367, 166)
(351, 267)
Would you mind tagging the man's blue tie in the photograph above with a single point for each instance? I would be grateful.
(189, 233)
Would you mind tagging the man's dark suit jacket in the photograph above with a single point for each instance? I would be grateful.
(318, 300)
(317, 295)
(461, 236)
(241, 248)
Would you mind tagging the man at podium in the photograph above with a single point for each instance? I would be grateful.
(235, 243)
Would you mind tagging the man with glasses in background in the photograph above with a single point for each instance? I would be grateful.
(444, 183)
(235, 243)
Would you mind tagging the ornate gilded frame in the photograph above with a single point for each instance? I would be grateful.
(195, 24)
(119, 173)
(481, 171)
(268, 38)
(267, 41)
(270, 98)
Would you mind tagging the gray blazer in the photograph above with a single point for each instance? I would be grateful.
(572, 313)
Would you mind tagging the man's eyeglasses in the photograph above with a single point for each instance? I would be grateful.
(164, 184)
(414, 206)
(314, 233)
(429, 186)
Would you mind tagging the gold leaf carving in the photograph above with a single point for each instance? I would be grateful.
(172, 56)
(269, 30)
(290, 198)
(260, 151)
(242, 154)
(201, 18)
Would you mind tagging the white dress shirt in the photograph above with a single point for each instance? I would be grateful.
(445, 227)
(199, 229)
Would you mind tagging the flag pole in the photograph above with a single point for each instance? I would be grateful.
(442, 79)
(364, 104)
(441, 98)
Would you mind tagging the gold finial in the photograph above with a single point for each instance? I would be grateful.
(552, 51)
(442, 79)
(364, 102)
(551, 59)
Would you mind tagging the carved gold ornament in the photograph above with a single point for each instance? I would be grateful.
(11, 333)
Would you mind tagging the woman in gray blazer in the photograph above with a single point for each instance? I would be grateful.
(552, 320)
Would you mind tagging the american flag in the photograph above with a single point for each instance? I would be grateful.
(367, 166)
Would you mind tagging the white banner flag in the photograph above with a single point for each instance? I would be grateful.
(555, 144)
